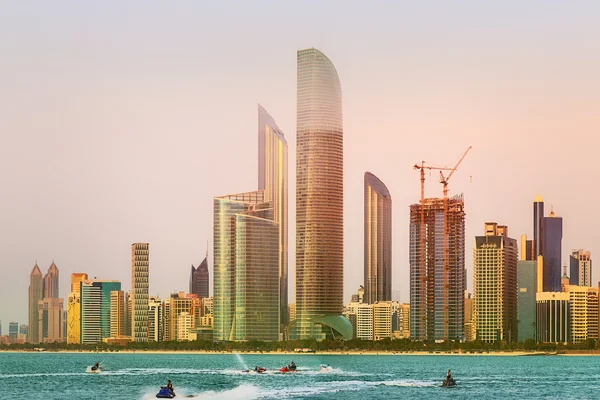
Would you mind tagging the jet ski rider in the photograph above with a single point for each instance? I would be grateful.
(292, 366)
(170, 387)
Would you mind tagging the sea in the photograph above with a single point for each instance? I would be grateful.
(220, 376)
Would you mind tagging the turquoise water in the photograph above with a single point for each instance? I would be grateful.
(201, 376)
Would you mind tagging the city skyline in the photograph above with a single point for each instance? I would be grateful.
(397, 98)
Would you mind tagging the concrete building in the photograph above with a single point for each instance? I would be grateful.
(273, 180)
(35, 295)
(292, 311)
(208, 306)
(176, 305)
(526, 299)
(377, 240)
(404, 319)
(155, 319)
(140, 263)
(580, 268)
(319, 200)
(51, 323)
(246, 268)
(469, 329)
(495, 257)
(382, 320)
(118, 313)
(364, 321)
(184, 326)
(583, 303)
(437, 293)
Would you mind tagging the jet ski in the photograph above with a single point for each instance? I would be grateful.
(326, 368)
(259, 370)
(287, 369)
(165, 393)
(94, 369)
(450, 383)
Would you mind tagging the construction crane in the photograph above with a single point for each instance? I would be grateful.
(444, 181)
(422, 167)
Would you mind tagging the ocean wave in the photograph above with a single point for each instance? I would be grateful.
(244, 391)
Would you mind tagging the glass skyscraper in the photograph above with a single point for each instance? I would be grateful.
(246, 268)
(526, 295)
(378, 240)
(35, 295)
(319, 195)
(273, 179)
(552, 252)
(199, 279)
(95, 309)
(437, 296)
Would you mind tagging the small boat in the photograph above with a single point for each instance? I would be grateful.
(94, 369)
(165, 393)
(258, 370)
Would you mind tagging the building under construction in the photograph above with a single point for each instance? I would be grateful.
(437, 269)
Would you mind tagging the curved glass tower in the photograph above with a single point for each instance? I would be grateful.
(378, 240)
(319, 194)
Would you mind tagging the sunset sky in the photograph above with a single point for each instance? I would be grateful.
(120, 121)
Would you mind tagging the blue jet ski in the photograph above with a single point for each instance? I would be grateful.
(165, 393)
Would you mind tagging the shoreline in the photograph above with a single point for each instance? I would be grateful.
(321, 353)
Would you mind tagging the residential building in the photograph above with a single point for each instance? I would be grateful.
(176, 305)
(437, 293)
(382, 320)
(581, 268)
(96, 309)
(526, 299)
(155, 319)
(199, 279)
(50, 320)
(35, 295)
(208, 305)
(273, 180)
(377, 240)
(583, 303)
(364, 321)
(495, 257)
(118, 314)
(404, 319)
(140, 263)
(184, 326)
(246, 268)
(319, 200)
(469, 329)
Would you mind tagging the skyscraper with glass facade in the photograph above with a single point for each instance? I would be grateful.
(273, 179)
(139, 283)
(246, 268)
(199, 279)
(96, 309)
(35, 295)
(552, 252)
(377, 240)
(319, 197)
(495, 257)
(436, 296)
(526, 299)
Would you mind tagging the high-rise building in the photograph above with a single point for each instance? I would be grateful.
(382, 320)
(319, 199)
(199, 279)
(552, 252)
(129, 312)
(35, 295)
(273, 179)
(246, 268)
(526, 299)
(581, 268)
(176, 305)
(527, 249)
(469, 328)
(437, 294)
(23, 329)
(74, 308)
(51, 281)
(583, 302)
(553, 317)
(13, 330)
(378, 240)
(117, 313)
(364, 321)
(155, 319)
(139, 283)
(404, 319)
(538, 214)
(96, 309)
(51, 320)
(495, 257)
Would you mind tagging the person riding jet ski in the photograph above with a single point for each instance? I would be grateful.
(449, 381)
(96, 366)
(292, 366)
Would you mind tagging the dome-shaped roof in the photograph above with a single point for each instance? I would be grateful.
(538, 199)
